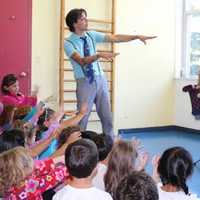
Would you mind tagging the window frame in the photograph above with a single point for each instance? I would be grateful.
(182, 63)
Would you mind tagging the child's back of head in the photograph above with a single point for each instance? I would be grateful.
(137, 186)
(81, 158)
(16, 165)
(11, 138)
(121, 161)
(175, 166)
(66, 132)
(102, 141)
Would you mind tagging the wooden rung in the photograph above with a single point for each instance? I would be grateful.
(73, 81)
(109, 51)
(69, 81)
(94, 120)
(71, 70)
(95, 29)
(107, 70)
(100, 21)
(74, 101)
(106, 61)
(70, 101)
(68, 70)
(69, 90)
(73, 91)
(100, 30)
(76, 110)
(101, 60)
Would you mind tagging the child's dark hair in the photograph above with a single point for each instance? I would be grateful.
(64, 135)
(11, 138)
(137, 186)
(7, 81)
(48, 112)
(102, 141)
(104, 146)
(46, 115)
(73, 16)
(175, 166)
(81, 158)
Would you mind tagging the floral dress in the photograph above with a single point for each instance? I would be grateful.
(46, 175)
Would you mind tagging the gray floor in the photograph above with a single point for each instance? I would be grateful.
(156, 142)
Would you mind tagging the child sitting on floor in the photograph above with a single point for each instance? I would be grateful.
(174, 168)
(137, 185)
(21, 178)
(81, 158)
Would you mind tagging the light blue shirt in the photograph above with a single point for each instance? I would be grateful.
(74, 44)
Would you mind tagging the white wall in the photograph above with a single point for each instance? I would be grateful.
(144, 87)
(45, 46)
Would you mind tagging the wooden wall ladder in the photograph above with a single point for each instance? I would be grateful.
(67, 90)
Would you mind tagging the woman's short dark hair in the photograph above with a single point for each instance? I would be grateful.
(7, 81)
(81, 158)
(72, 17)
(175, 166)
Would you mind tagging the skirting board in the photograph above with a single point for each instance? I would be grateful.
(158, 128)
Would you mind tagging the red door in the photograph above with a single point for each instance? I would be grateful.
(15, 40)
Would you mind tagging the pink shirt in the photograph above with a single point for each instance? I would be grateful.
(19, 100)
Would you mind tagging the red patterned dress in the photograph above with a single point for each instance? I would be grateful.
(45, 176)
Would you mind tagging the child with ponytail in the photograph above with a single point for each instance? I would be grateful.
(174, 168)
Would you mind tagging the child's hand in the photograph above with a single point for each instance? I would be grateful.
(55, 134)
(84, 109)
(136, 143)
(40, 110)
(143, 159)
(71, 113)
(154, 162)
(74, 137)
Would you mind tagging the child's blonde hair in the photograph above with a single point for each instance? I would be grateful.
(15, 165)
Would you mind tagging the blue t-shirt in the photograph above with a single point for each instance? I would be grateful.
(74, 44)
(49, 150)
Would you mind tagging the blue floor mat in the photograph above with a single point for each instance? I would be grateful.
(156, 142)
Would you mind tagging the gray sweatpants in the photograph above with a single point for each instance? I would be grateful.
(96, 92)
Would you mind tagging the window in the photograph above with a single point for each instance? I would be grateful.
(190, 39)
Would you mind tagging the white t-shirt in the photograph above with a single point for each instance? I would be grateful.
(71, 193)
(98, 180)
(180, 195)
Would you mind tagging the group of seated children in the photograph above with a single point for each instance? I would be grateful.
(43, 156)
